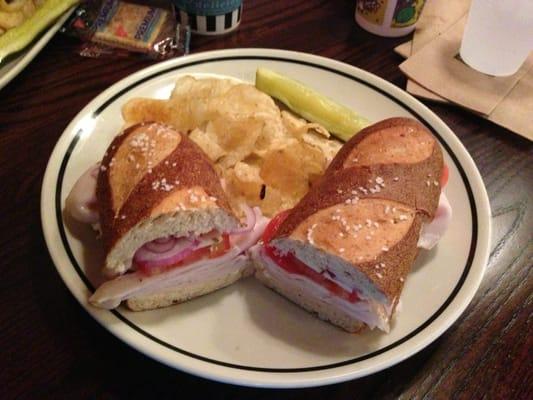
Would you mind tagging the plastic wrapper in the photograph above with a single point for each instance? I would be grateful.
(120, 28)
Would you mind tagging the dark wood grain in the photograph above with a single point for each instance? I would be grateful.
(51, 348)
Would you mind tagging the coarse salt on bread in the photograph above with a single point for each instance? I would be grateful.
(362, 221)
(155, 182)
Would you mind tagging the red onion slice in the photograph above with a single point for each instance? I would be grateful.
(181, 248)
(161, 245)
(250, 221)
(111, 293)
(165, 239)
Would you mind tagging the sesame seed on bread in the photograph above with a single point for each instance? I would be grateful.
(362, 220)
(155, 182)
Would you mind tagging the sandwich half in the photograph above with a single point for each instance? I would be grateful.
(168, 231)
(345, 250)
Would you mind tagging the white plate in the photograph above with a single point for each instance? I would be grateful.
(12, 68)
(247, 334)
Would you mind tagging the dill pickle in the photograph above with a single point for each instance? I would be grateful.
(341, 121)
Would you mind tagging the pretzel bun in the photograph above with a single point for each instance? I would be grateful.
(361, 222)
(155, 182)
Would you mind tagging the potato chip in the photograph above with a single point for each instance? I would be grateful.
(267, 157)
(246, 181)
(327, 147)
(237, 138)
(274, 201)
(283, 169)
(243, 183)
(208, 144)
(144, 110)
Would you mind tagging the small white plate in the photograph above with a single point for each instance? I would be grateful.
(13, 67)
(247, 334)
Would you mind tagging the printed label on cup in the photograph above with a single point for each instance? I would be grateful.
(372, 10)
(388, 17)
(406, 12)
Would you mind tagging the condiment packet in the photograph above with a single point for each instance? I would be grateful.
(120, 27)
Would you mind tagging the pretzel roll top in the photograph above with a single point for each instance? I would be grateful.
(151, 171)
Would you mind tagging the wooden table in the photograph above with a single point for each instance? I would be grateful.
(52, 348)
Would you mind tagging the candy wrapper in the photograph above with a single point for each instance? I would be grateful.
(119, 28)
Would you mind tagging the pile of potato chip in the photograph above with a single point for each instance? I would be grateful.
(268, 157)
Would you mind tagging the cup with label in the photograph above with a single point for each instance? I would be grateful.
(389, 18)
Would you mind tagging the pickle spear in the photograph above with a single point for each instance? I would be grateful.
(16, 39)
(341, 121)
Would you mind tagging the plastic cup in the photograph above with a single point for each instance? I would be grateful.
(498, 36)
(389, 18)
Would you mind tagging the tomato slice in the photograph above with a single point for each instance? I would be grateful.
(196, 255)
(151, 271)
(220, 248)
(294, 266)
(445, 175)
(213, 251)
(274, 225)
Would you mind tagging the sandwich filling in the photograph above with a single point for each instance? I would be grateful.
(292, 267)
(349, 304)
(431, 233)
(184, 261)
(287, 269)
(168, 252)
(81, 202)
(171, 260)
